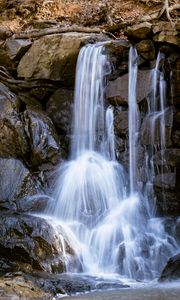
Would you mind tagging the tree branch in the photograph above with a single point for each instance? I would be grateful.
(54, 30)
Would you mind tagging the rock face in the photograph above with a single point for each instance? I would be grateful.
(172, 270)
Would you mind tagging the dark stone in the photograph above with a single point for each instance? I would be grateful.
(32, 243)
(172, 269)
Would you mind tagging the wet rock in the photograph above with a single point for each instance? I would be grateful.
(33, 243)
(139, 31)
(17, 48)
(117, 90)
(53, 57)
(42, 136)
(16, 182)
(172, 269)
(146, 49)
(150, 131)
(13, 140)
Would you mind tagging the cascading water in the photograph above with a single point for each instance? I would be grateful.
(133, 118)
(155, 120)
(112, 232)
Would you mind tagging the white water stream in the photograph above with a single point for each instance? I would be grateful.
(113, 229)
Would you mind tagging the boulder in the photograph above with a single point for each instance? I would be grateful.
(33, 243)
(139, 31)
(146, 50)
(43, 140)
(165, 33)
(16, 182)
(172, 269)
(17, 48)
(117, 90)
(53, 57)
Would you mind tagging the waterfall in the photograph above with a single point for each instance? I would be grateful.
(133, 118)
(113, 231)
(155, 120)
